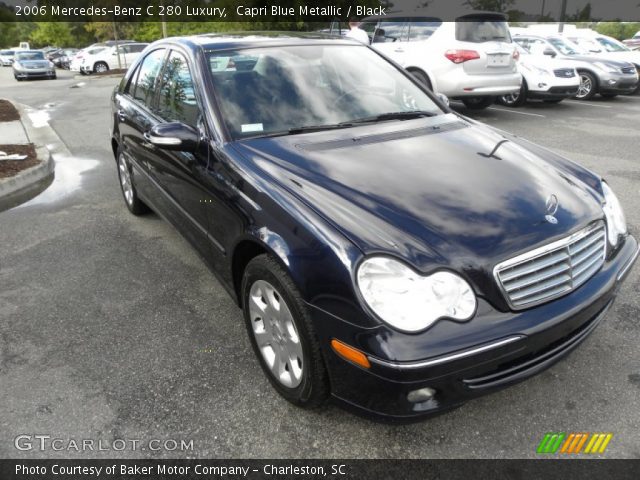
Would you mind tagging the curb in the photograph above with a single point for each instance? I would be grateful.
(33, 181)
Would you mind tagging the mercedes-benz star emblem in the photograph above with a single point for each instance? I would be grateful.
(552, 208)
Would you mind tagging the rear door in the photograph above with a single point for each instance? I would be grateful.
(488, 35)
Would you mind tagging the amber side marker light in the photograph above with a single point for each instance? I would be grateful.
(349, 353)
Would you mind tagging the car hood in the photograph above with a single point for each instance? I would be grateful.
(439, 191)
(597, 58)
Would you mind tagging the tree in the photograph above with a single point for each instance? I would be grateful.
(491, 5)
(52, 33)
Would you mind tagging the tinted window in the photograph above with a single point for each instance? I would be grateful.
(144, 81)
(136, 48)
(177, 96)
(29, 56)
(612, 46)
(392, 31)
(421, 30)
(564, 47)
(300, 86)
(478, 30)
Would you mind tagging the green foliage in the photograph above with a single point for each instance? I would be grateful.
(52, 33)
(491, 5)
(618, 30)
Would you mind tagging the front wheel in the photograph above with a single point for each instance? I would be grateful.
(588, 86)
(281, 333)
(516, 99)
(478, 103)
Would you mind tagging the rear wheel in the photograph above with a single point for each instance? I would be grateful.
(100, 67)
(478, 103)
(516, 99)
(134, 204)
(281, 333)
(588, 86)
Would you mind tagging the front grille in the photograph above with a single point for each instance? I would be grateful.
(629, 69)
(564, 72)
(553, 270)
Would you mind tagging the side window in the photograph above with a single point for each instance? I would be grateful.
(391, 31)
(369, 27)
(144, 82)
(177, 95)
(421, 30)
(135, 48)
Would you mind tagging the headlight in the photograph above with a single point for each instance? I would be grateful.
(616, 223)
(606, 67)
(409, 301)
(17, 65)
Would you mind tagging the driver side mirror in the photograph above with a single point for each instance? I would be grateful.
(174, 136)
(549, 51)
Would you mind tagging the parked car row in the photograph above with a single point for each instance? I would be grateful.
(478, 58)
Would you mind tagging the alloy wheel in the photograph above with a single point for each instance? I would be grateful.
(125, 180)
(586, 85)
(511, 98)
(276, 334)
(101, 67)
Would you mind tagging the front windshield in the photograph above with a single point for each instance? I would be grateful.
(564, 47)
(612, 45)
(270, 91)
(30, 56)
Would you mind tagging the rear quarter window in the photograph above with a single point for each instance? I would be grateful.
(482, 29)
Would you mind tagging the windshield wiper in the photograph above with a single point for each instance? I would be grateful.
(391, 116)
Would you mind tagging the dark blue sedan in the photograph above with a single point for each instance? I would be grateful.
(386, 252)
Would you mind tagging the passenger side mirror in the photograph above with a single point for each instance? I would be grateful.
(443, 98)
(173, 136)
(549, 51)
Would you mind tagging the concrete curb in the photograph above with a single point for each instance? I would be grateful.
(31, 182)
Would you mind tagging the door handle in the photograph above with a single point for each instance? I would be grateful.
(147, 140)
(121, 115)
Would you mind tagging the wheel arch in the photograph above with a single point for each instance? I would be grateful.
(425, 73)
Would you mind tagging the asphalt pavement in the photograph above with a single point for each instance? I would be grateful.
(111, 327)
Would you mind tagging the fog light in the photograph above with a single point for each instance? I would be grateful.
(421, 395)
(612, 82)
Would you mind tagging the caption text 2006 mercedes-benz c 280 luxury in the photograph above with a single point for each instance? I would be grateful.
(386, 252)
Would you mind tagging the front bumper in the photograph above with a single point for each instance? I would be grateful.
(35, 73)
(617, 83)
(517, 346)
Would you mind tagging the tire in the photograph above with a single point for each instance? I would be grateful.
(553, 100)
(515, 99)
(588, 86)
(302, 381)
(422, 78)
(128, 189)
(609, 95)
(100, 67)
(478, 103)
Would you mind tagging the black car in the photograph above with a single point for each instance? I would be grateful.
(61, 58)
(386, 252)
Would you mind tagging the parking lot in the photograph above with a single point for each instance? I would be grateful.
(112, 327)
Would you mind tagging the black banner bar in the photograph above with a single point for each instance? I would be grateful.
(547, 469)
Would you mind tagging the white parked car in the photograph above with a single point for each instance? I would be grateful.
(472, 59)
(545, 78)
(6, 57)
(107, 58)
(78, 58)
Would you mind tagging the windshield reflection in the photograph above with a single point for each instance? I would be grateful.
(272, 91)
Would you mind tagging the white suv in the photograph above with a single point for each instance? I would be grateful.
(107, 59)
(472, 59)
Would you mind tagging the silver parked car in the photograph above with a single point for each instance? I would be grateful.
(597, 75)
(6, 57)
(32, 64)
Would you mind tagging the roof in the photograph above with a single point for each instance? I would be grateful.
(228, 41)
